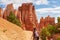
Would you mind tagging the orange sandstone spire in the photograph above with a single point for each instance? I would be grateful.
(1, 12)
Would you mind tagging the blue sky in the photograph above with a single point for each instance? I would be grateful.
(42, 7)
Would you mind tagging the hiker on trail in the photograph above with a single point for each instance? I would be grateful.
(35, 34)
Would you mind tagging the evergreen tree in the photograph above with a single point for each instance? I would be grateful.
(47, 32)
(12, 18)
(43, 34)
(51, 29)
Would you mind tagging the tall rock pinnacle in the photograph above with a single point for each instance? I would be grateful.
(7, 11)
(28, 16)
(1, 12)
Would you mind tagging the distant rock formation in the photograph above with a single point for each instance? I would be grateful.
(25, 14)
(45, 22)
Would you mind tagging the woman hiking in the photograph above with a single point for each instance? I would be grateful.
(35, 34)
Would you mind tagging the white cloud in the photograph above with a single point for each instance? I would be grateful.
(15, 2)
(47, 10)
(54, 12)
(19, 2)
(38, 2)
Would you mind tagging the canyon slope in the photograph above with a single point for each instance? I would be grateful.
(10, 31)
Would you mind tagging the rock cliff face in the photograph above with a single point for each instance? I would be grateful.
(28, 16)
(25, 14)
(45, 22)
(1, 12)
(7, 11)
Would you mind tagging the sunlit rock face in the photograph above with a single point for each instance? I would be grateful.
(7, 11)
(45, 22)
(15, 12)
(41, 24)
(27, 15)
(5, 14)
(10, 31)
(1, 12)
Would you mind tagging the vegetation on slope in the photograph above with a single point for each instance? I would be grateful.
(12, 18)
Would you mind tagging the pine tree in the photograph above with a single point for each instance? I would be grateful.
(12, 18)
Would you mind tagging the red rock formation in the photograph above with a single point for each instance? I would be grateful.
(8, 9)
(5, 14)
(28, 16)
(15, 12)
(35, 17)
(45, 22)
(25, 14)
(1, 12)
(19, 16)
(42, 21)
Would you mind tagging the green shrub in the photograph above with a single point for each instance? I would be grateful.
(12, 18)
